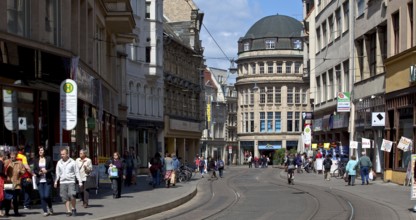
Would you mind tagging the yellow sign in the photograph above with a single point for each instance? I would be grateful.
(314, 146)
(326, 145)
(68, 87)
(208, 112)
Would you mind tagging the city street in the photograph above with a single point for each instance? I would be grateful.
(264, 194)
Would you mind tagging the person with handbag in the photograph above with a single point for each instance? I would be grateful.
(67, 172)
(116, 173)
(85, 168)
(14, 171)
(351, 169)
(27, 185)
(43, 169)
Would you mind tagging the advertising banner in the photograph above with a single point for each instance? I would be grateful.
(366, 143)
(326, 145)
(386, 145)
(353, 144)
(307, 135)
(404, 144)
(343, 102)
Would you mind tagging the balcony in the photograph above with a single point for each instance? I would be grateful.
(119, 16)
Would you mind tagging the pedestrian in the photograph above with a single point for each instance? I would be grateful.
(351, 170)
(365, 165)
(85, 168)
(155, 169)
(14, 171)
(211, 168)
(202, 166)
(249, 161)
(136, 165)
(117, 174)
(43, 169)
(2, 179)
(67, 173)
(290, 166)
(27, 185)
(220, 164)
(176, 166)
(299, 163)
(197, 163)
(128, 161)
(168, 169)
(327, 167)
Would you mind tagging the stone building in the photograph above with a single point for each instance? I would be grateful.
(45, 42)
(272, 93)
(182, 69)
(144, 81)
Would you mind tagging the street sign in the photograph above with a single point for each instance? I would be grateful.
(68, 104)
(378, 119)
(22, 123)
(230, 149)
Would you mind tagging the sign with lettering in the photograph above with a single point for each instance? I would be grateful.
(68, 104)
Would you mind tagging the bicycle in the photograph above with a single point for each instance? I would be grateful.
(340, 171)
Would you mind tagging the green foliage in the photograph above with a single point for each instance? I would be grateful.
(279, 156)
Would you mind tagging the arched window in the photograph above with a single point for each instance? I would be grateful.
(159, 102)
(139, 96)
(152, 101)
(130, 97)
(145, 101)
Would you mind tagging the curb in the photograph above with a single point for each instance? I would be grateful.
(138, 214)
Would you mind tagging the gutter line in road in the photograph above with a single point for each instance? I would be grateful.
(352, 210)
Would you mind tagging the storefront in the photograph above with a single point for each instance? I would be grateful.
(246, 149)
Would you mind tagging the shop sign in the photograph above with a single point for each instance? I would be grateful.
(68, 104)
(378, 119)
(365, 143)
(353, 144)
(343, 102)
(386, 145)
(307, 135)
(269, 147)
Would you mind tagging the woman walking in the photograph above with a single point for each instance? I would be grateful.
(351, 169)
(168, 169)
(85, 167)
(116, 172)
(43, 169)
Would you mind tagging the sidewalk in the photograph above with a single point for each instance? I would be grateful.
(136, 202)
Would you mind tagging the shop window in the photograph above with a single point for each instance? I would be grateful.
(405, 127)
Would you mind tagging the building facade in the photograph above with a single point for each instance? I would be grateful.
(272, 93)
(183, 65)
(400, 86)
(144, 86)
(37, 55)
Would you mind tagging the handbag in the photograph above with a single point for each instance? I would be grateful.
(8, 186)
(90, 183)
(113, 172)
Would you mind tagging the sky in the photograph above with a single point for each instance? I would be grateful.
(228, 20)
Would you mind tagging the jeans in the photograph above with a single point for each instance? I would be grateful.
(364, 174)
(351, 180)
(27, 188)
(201, 169)
(116, 186)
(326, 172)
(84, 194)
(250, 164)
(7, 203)
(220, 170)
(45, 195)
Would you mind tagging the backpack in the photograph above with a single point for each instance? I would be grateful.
(327, 164)
(201, 163)
(221, 163)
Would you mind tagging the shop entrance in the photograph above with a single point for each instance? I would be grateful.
(269, 154)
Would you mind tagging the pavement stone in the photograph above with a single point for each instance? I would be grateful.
(137, 201)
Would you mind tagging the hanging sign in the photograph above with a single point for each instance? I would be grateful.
(343, 102)
(68, 104)
(365, 143)
(386, 145)
(404, 144)
(353, 144)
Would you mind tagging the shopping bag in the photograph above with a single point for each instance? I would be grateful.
(34, 182)
(113, 172)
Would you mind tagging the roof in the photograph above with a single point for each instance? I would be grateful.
(275, 26)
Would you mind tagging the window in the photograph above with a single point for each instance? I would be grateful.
(253, 68)
(148, 52)
(346, 76)
(405, 130)
(360, 7)
(346, 8)
(297, 95)
(246, 46)
(279, 67)
(269, 67)
(324, 87)
(338, 82)
(304, 97)
(277, 95)
(373, 54)
(289, 95)
(246, 94)
(289, 121)
(262, 95)
(147, 10)
(410, 8)
(324, 35)
(331, 88)
(297, 121)
(251, 121)
(338, 21)
(360, 52)
(318, 90)
(269, 95)
(262, 122)
(18, 17)
(270, 44)
(246, 122)
(269, 121)
(297, 67)
(261, 68)
(318, 39)
(331, 28)
(288, 67)
(251, 97)
(277, 122)
(53, 21)
(396, 32)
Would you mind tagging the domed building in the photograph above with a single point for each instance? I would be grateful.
(272, 91)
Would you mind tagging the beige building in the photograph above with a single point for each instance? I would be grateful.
(182, 67)
(272, 93)
(43, 43)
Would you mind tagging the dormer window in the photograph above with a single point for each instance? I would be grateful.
(246, 46)
(270, 44)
